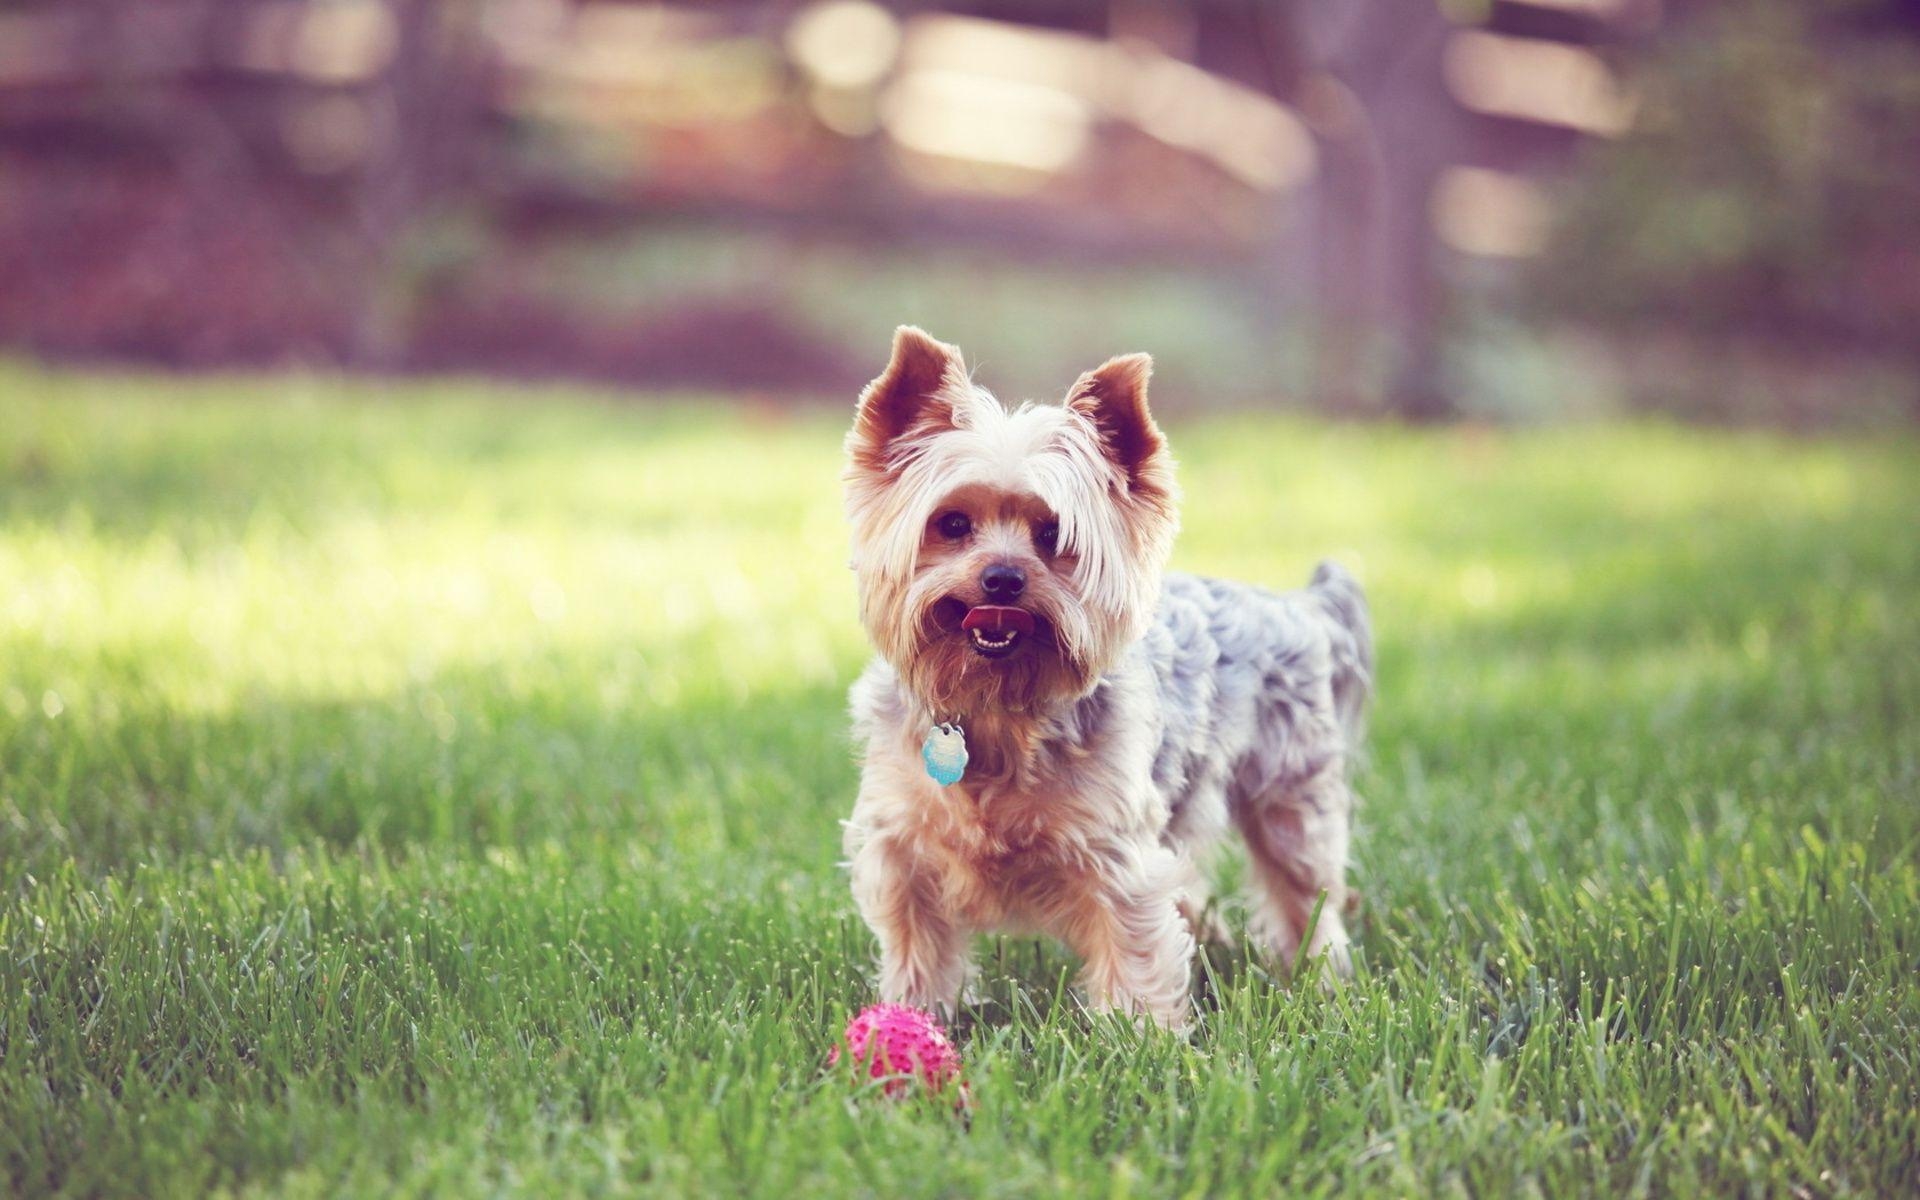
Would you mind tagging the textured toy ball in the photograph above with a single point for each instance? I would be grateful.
(899, 1044)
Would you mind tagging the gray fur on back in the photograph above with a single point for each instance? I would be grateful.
(1255, 688)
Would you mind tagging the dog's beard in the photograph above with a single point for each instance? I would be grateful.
(955, 676)
(941, 664)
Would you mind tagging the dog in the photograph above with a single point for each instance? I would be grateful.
(1054, 730)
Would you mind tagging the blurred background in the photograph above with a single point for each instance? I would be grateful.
(1509, 209)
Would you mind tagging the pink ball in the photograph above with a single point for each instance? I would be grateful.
(897, 1043)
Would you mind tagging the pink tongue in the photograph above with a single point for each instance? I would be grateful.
(998, 618)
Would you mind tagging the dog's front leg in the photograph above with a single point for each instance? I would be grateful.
(923, 944)
(1125, 923)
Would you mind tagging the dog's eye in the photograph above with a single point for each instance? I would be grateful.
(1046, 536)
(953, 525)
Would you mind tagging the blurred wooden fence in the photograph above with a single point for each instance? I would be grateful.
(206, 181)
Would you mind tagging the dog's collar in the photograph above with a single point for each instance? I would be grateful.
(945, 753)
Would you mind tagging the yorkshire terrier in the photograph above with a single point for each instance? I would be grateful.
(1055, 732)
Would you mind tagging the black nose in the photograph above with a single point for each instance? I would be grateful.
(1002, 583)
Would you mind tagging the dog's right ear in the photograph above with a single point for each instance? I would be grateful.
(919, 386)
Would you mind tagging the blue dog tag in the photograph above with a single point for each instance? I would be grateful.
(945, 753)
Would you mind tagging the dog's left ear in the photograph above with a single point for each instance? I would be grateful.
(1114, 397)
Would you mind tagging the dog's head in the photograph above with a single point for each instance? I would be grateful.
(1005, 557)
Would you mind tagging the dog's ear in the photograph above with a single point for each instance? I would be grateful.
(1114, 397)
(919, 385)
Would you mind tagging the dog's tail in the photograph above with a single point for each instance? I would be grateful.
(1345, 604)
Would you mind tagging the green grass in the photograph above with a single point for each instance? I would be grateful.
(434, 790)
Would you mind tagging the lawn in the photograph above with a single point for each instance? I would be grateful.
(434, 789)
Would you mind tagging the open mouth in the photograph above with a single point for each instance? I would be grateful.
(996, 630)
(992, 645)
